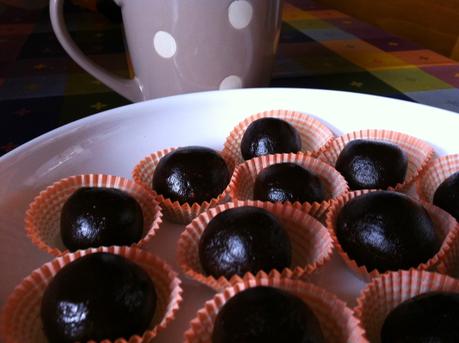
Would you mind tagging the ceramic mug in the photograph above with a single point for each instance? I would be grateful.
(182, 46)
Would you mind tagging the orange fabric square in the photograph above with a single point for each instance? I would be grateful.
(423, 57)
(291, 12)
(327, 14)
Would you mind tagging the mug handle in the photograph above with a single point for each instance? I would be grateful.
(129, 88)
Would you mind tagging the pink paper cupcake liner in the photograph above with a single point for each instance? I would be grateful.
(173, 210)
(20, 319)
(449, 264)
(336, 320)
(445, 226)
(437, 171)
(387, 291)
(419, 153)
(42, 220)
(244, 176)
(311, 244)
(314, 135)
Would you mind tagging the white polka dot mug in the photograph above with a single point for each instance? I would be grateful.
(182, 46)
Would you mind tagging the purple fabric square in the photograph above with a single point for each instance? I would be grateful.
(447, 73)
(392, 43)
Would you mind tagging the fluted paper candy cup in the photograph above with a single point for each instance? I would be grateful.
(20, 320)
(337, 321)
(449, 264)
(314, 135)
(242, 183)
(387, 291)
(311, 244)
(444, 224)
(173, 210)
(419, 153)
(42, 220)
(437, 171)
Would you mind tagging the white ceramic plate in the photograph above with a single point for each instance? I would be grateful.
(114, 141)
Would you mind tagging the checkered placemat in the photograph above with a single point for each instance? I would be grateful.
(41, 88)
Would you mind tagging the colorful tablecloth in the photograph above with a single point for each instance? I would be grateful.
(41, 88)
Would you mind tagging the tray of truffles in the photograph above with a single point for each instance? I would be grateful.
(261, 215)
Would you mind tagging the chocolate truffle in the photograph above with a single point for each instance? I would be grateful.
(429, 317)
(447, 195)
(265, 315)
(99, 296)
(386, 231)
(191, 174)
(93, 217)
(241, 240)
(288, 182)
(367, 164)
(269, 136)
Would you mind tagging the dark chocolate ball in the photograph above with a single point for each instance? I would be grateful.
(93, 217)
(288, 182)
(241, 240)
(191, 174)
(367, 164)
(269, 136)
(386, 231)
(447, 195)
(265, 315)
(99, 296)
(426, 318)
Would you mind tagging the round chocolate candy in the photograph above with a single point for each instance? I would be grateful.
(99, 296)
(264, 315)
(288, 182)
(191, 174)
(429, 317)
(269, 136)
(241, 240)
(93, 217)
(367, 164)
(386, 230)
(447, 195)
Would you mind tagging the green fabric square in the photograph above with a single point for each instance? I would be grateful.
(410, 79)
(309, 24)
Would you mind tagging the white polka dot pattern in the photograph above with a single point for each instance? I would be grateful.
(231, 82)
(240, 14)
(164, 44)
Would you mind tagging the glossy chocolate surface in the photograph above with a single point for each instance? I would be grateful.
(266, 315)
(191, 174)
(269, 136)
(447, 195)
(99, 296)
(288, 182)
(244, 239)
(386, 231)
(93, 217)
(367, 164)
(429, 317)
